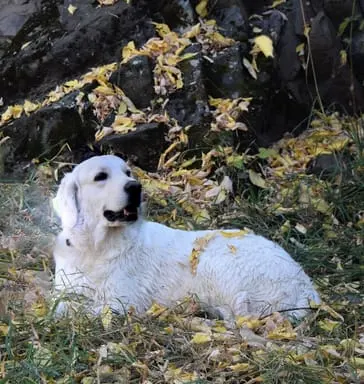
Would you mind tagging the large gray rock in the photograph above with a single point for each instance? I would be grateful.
(135, 78)
(42, 133)
(142, 146)
(14, 14)
(357, 52)
(231, 17)
(61, 47)
(226, 75)
(189, 105)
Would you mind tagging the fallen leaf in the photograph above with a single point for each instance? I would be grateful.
(256, 179)
(234, 233)
(106, 316)
(248, 65)
(264, 44)
(71, 9)
(201, 8)
(240, 367)
(200, 338)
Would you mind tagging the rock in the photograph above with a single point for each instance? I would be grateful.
(327, 166)
(14, 14)
(331, 77)
(357, 52)
(336, 83)
(256, 6)
(135, 78)
(189, 105)
(143, 146)
(325, 46)
(289, 65)
(337, 11)
(177, 14)
(226, 75)
(232, 17)
(56, 53)
(85, 9)
(192, 70)
(271, 24)
(4, 45)
(43, 132)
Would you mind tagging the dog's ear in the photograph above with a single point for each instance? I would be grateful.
(65, 203)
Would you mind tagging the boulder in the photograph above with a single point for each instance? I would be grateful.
(142, 146)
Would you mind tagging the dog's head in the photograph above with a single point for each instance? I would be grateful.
(99, 191)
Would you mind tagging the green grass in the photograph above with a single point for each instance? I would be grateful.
(35, 347)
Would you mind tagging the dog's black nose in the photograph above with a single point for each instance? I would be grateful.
(134, 190)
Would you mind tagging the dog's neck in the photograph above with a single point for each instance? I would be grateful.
(95, 236)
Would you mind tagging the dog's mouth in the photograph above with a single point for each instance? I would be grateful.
(128, 214)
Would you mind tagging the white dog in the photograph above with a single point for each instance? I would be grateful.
(109, 254)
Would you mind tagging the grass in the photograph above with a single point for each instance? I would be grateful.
(175, 345)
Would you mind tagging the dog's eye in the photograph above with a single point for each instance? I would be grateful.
(128, 172)
(101, 176)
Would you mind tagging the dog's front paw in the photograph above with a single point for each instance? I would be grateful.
(62, 309)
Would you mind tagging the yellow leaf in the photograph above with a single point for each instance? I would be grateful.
(201, 8)
(282, 335)
(106, 316)
(321, 205)
(122, 108)
(277, 2)
(240, 367)
(248, 322)
(4, 329)
(179, 83)
(71, 9)
(162, 29)
(194, 259)
(234, 233)
(201, 216)
(13, 111)
(193, 32)
(187, 56)
(265, 45)
(155, 310)
(328, 325)
(104, 90)
(107, 2)
(123, 129)
(357, 362)
(339, 144)
(343, 57)
(30, 107)
(332, 312)
(105, 131)
(123, 124)
(129, 51)
(130, 105)
(200, 338)
(307, 30)
(39, 308)
(300, 49)
(232, 248)
(285, 227)
(219, 329)
(256, 179)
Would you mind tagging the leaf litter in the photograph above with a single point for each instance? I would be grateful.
(174, 345)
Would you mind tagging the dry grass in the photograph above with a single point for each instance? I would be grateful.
(179, 345)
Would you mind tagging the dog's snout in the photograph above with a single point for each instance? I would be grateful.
(133, 187)
(134, 190)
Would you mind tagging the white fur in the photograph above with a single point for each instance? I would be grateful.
(123, 264)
